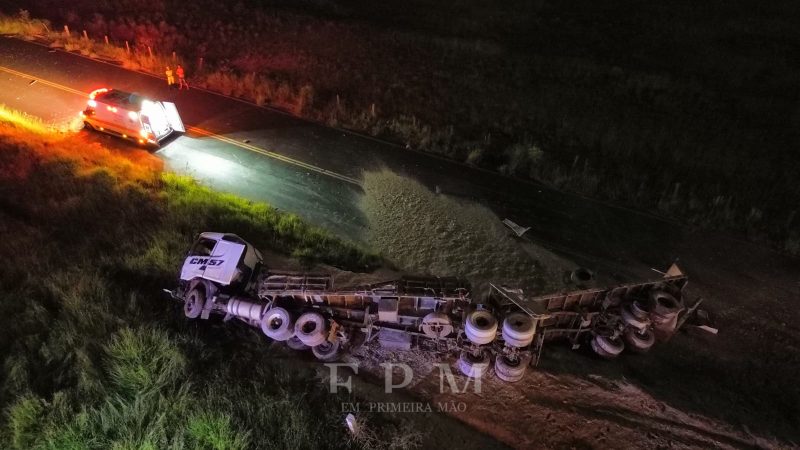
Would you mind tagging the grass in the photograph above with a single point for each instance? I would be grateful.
(93, 357)
(662, 107)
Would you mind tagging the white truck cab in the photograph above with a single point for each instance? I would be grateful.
(222, 258)
(131, 116)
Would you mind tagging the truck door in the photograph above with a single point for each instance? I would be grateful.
(222, 264)
(196, 261)
(173, 118)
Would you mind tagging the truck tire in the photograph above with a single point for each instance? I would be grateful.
(508, 370)
(518, 329)
(310, 329)
(277, 324)
(327, 351)
(474, 366)
(639, 340)
(295, 343)
(664, 304)
(631, 319)
(639, 309)
(481, 327)
(607, 347)
(436, 325)
(194, 301)
(581, 276)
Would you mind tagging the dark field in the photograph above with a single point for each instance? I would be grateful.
(685, 109)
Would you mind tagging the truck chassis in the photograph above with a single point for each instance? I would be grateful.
(435, 314)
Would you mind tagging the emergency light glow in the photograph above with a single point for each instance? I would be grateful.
(94, 93)
(92, 103)
(133, 115)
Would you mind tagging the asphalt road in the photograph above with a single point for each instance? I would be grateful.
(320, 181)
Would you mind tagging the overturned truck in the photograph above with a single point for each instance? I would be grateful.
(224, 275)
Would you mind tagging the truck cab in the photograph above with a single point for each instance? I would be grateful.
(225, 259)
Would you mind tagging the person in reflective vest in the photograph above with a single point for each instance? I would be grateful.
(170, 77)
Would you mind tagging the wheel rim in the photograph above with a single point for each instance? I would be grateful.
(275, 323)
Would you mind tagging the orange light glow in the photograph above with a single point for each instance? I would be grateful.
(94, 93)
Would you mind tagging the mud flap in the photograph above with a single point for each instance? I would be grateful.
(173, 118)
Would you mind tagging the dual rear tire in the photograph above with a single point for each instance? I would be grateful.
(277, 324)
(474, 365)
(510, 370)
(481, 327)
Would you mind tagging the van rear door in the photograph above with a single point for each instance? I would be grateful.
(173, 118)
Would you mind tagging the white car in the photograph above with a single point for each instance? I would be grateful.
(131, 116)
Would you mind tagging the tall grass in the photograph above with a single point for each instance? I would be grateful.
(93, 357)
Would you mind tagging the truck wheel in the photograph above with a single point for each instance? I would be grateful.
(277, 324)
(631, 318)
(639, 341)
(295, 343)
(640, 309)
(436, 325)
(664, 304)
(194, 300)
(310, 329)
(481, 327)
(474, 366)
(607, 347)
(327, 351)
(518, 329)
(508, 370)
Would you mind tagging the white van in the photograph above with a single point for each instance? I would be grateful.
(131, 116)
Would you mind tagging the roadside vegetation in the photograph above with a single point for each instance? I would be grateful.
(687, 112)
(94, 358)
